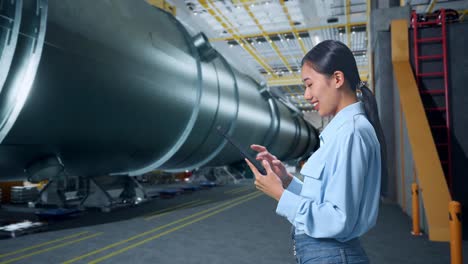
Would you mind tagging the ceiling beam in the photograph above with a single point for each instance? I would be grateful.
(217, 14)
(265, 35)
(285, 80)
(431, 5)
(348, 22)
(291, 23)
(462, 15)
(301, 30)
(295, 79)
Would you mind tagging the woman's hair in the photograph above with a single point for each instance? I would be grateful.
(330, 56)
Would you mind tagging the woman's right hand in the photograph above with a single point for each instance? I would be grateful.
(276, 165)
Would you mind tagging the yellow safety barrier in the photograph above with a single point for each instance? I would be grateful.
(416, 228)
(455, 233)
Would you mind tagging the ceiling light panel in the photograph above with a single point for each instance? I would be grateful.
(265, 23)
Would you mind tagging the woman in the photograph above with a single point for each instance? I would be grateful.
(338, 200)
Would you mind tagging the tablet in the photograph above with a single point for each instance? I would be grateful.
(243, 151)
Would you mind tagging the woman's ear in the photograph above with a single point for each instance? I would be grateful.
(338, 78)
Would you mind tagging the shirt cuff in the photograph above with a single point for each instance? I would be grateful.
(295, 186)
(288, 205)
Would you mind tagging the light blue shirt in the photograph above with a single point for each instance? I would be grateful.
(339, 197)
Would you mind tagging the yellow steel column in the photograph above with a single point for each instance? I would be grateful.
(402, 161)
(456, 252)
(348, 22)
(370, 57)
(415, 202)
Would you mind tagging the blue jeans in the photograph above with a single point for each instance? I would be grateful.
(309, 250)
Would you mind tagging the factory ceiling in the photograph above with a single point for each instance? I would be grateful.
(270, 37)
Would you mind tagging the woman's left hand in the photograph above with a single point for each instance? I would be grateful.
(270, 183)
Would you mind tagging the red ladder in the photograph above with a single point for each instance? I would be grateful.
(443, 143)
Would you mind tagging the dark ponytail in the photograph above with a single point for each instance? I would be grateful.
(372, 113)
(330, 56)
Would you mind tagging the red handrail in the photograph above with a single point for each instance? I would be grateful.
(447, 100)
(439, 21)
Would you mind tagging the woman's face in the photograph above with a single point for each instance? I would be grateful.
(320, 90)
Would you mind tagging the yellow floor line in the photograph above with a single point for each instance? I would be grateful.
(237, 189)
(155, 229)
(182, 207)
(40, 245)
(171, 230)
(170, 209)
(51, 248)
(244, 190)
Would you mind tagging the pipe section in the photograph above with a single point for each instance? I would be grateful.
(127, 92)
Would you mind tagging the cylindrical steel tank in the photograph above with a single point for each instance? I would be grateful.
(122, 88)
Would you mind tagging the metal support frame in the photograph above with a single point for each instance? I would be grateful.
(97, 195)
(223, 176)
(219, 175)
(52, 194)
(57, 192)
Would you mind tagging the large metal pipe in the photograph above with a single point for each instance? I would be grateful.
(128, 92)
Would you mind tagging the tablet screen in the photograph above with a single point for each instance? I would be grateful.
(244, 152)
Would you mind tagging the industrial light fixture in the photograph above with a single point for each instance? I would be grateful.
(316, 39)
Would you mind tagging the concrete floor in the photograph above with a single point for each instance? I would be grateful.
(227, 224)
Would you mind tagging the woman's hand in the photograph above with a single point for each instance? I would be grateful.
(276, 165)
(270, 183)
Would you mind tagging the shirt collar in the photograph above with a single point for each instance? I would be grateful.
(341, 117)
